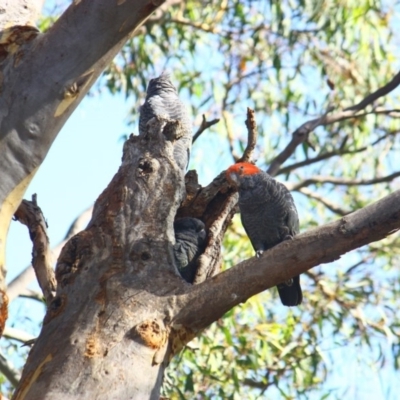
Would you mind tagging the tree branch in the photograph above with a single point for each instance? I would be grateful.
(337, 152)
(9, 371)
(204, 125)
(383, 91)
(112, 282)
(30, 214)
(17, 334)
(300, 135)
(327, 203)
(17, 287)
(251, 125)
(340, 181)
(209, 262)
(208, 301)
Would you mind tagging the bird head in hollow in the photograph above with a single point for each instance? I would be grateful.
(238, 170)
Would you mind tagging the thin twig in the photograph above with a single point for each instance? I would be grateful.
(32, 295)
(337, 152)
(300, 135)
(230, 135)
(383, 91)
(203, 126)
(327, 203)
(78, 223)
(17, 334)
(30, 214)
(198, 26)
(251, 136)
(9, 371)
(340, 181)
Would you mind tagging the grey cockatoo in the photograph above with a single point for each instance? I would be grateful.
(162, 100)
(269, 216)
(190, 236)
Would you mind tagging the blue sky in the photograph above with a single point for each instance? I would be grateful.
(81, 162)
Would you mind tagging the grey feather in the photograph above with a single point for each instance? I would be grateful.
(269, 216)
(190, 236)
(162, 100)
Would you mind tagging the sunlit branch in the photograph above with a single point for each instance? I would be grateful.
(197, 25)
(340, 181)
(383, 91)
(8, 370)
(323, 200)
(338, 152)
(203, 126)
(17, 334)
(300, 135)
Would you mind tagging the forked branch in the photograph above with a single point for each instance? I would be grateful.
(300, 135)
(203, 126)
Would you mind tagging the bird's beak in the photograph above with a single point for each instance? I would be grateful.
(233, 178)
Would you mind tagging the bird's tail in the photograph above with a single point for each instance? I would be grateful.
(290, 292)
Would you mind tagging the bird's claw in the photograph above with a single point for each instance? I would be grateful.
(259, 253)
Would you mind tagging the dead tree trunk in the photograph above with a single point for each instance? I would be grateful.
(106, 331)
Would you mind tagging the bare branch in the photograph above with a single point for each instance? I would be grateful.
(229, 131)
(17, 334)
(32, 294)
(19, 284)
(197, 25)
(212, 255)
(337, 152)
(79, 223)
(300, 135)
(9, 371)
(204, 125)
(208, 301)
(383, 91)
(251, 136)
(340, 181)
(30, 214)
(323, 200)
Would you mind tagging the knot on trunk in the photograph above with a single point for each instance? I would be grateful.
(152, 333)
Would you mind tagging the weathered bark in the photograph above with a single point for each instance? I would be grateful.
(19, 285)
(43, 77)
(30, 214)
(19, 12)
(106, 332)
